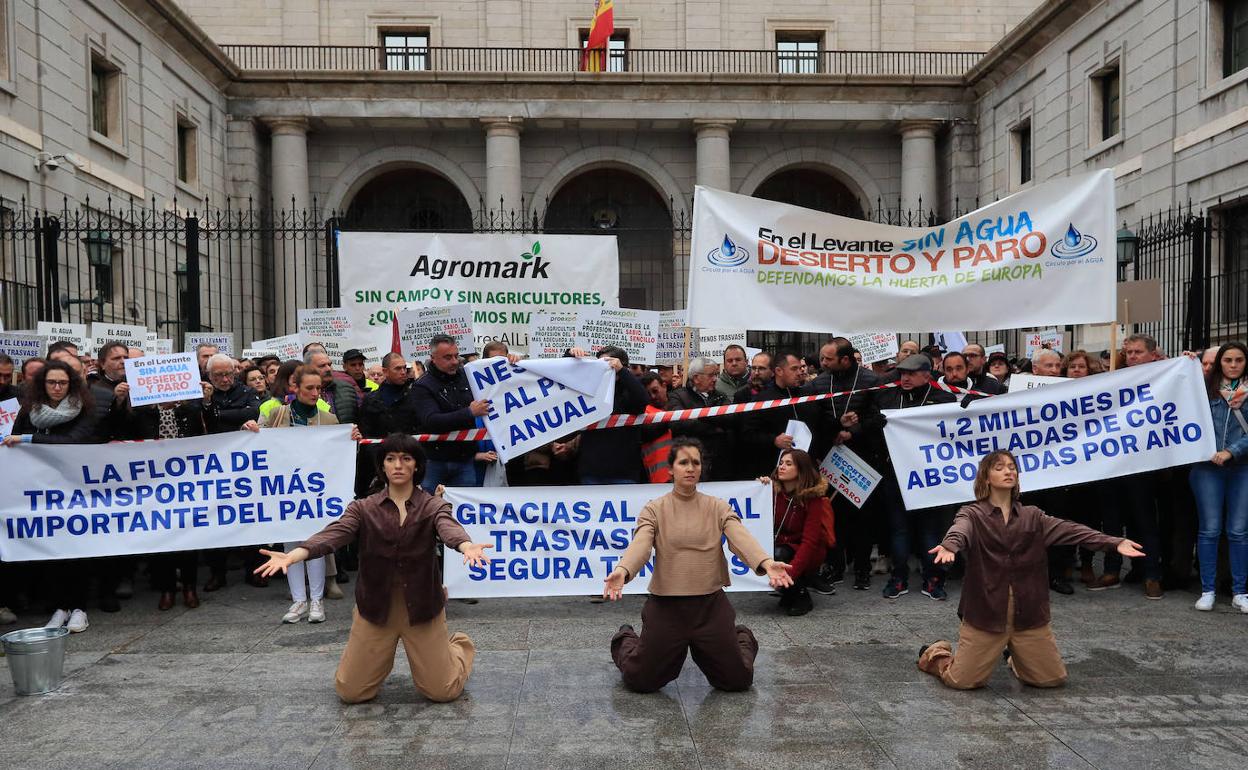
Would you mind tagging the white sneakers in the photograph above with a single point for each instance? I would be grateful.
(316, 613)
(1240, 602)
(75, 621)
(1205, 602)
(295, 612)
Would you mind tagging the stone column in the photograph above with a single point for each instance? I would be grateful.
(292, 286)
(714, 165)
(918, 165)
(502, 166)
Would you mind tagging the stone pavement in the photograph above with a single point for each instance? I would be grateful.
(1153, 684)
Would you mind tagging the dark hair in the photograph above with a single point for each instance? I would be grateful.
(952, 354)
(263, 361)
(649, 377)
(981, 477)
(844, 348)
(614, 352)
(29, 361)
(281, 381)
(686, 442)
(60, 345)
(812, 362)
(401, 443)
(1150, 342)
(388, 359)
(1213, 383)
(109, 347)
(807, 474)
(782, 357)
(37, 392)
(734, 346)
(441, 339)
(491, 346)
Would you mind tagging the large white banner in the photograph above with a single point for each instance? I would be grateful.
(504, 277)
(540, 400)
(1040, 257)
(72, 501)
(564, 541)
(1137, 419)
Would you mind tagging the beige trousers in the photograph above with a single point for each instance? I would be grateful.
(440, 665)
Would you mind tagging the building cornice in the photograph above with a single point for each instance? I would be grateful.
(1021, 44)
(181, 32)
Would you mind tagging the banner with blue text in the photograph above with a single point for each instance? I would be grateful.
(564, 541)
(1137, 419)
(61, 502)
(1040, 257)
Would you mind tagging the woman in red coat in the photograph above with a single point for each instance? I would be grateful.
(803, 522)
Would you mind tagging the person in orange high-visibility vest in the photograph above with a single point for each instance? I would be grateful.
(657, 438)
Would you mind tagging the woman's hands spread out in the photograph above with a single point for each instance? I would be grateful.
(613, 586)
(778, 574)
(474, 554)
(280, 562)
(943, 554)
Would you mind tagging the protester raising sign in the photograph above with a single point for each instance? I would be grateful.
(875, 347)
(636, 332)
(1042, 256)
(75, 501)
(564, 541)
(545, 399)
(419, 325)
(75, 334)
(163, 379)
(1137, 419)
(849, 474)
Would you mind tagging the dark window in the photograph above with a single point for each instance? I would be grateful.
(1108, 90)
(407, 50)
(1234, 276)
(798, 52)
(617, 50)
(1235, 30)
(1022, 151)
(105, 83)
(187, 165)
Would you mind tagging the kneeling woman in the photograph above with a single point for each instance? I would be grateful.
(399, 594)
(687, 607)
(1005, 595)
(804, 525)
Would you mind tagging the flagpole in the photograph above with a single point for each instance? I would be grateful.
(688, 345)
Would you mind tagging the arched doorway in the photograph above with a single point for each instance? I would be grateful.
(610, 201)
(409, 199)
(812, 189)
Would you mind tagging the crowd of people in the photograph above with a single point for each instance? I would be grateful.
(1177, 515)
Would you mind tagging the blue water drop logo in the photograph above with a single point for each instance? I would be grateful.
(1073, 244)
(1072, 236)
(727, 248)
(727, 254)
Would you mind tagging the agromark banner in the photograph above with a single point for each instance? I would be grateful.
(1040, 257)
(506, 278)
(564, 541)
(1137, 419)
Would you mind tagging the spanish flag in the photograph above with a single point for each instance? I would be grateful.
(594, 55)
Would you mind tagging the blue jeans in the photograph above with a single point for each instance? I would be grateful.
(1221, 492)
(604, 480)
(926, 525)
(450, 473)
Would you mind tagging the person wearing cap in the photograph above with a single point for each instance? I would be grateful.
(998, 367)
(914, 389)
(353, 371)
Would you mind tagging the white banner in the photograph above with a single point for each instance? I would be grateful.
(541, 400)
(162, 379)
(1042, 256)
(710, 343)
(849, 474)
(287, 347)
(505, 278)
(8, 415)
(551, 334)
(564, 541)
(419, 325)
(257, 353)
(1023, 381)
(1141, 418)
(73, 333)
(636, 332)
(224, 341)
(23, 345)
(879, 346)
(240, 488)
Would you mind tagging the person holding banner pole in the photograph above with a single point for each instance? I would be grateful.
(399, 594)
(1221, 484)
(1005, 596)
(687, 610)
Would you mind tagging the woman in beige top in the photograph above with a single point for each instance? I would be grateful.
(687, 607)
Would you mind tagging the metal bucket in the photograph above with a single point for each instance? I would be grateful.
(36, 659)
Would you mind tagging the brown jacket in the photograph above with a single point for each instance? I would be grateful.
(1002, 555)
(393, 556)
(686, 535)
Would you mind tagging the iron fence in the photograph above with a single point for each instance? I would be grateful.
(652, 61)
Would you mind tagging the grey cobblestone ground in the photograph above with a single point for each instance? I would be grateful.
(1153, 684)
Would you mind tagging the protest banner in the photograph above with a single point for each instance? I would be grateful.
(540, 401)
(157, 346)
(1137, 419)
(1023, 381)
(1045, 255)
(232, 489)
(224, 341)
(564, 541)
(287, 346)
(162, 379)
(133, 336)
(636, 332)
(75, 334)
(948, 341)
(257, 353)
(22, 345)
(504, 277)
(8, 416)
(322, 323)
(1048, 338)
(879, 346)
(669, 348)
(419, 325)
(710, 343)
(849, 474)
(551, 334)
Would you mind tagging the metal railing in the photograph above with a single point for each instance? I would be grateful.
(651, 61)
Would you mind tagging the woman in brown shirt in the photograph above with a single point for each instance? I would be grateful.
(687, 607)
(1005, 595)
(399, 593)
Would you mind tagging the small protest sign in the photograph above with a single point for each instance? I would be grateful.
(849, 474)
(161, 379)
(634, 331)
(420, 324)
(551, 334)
